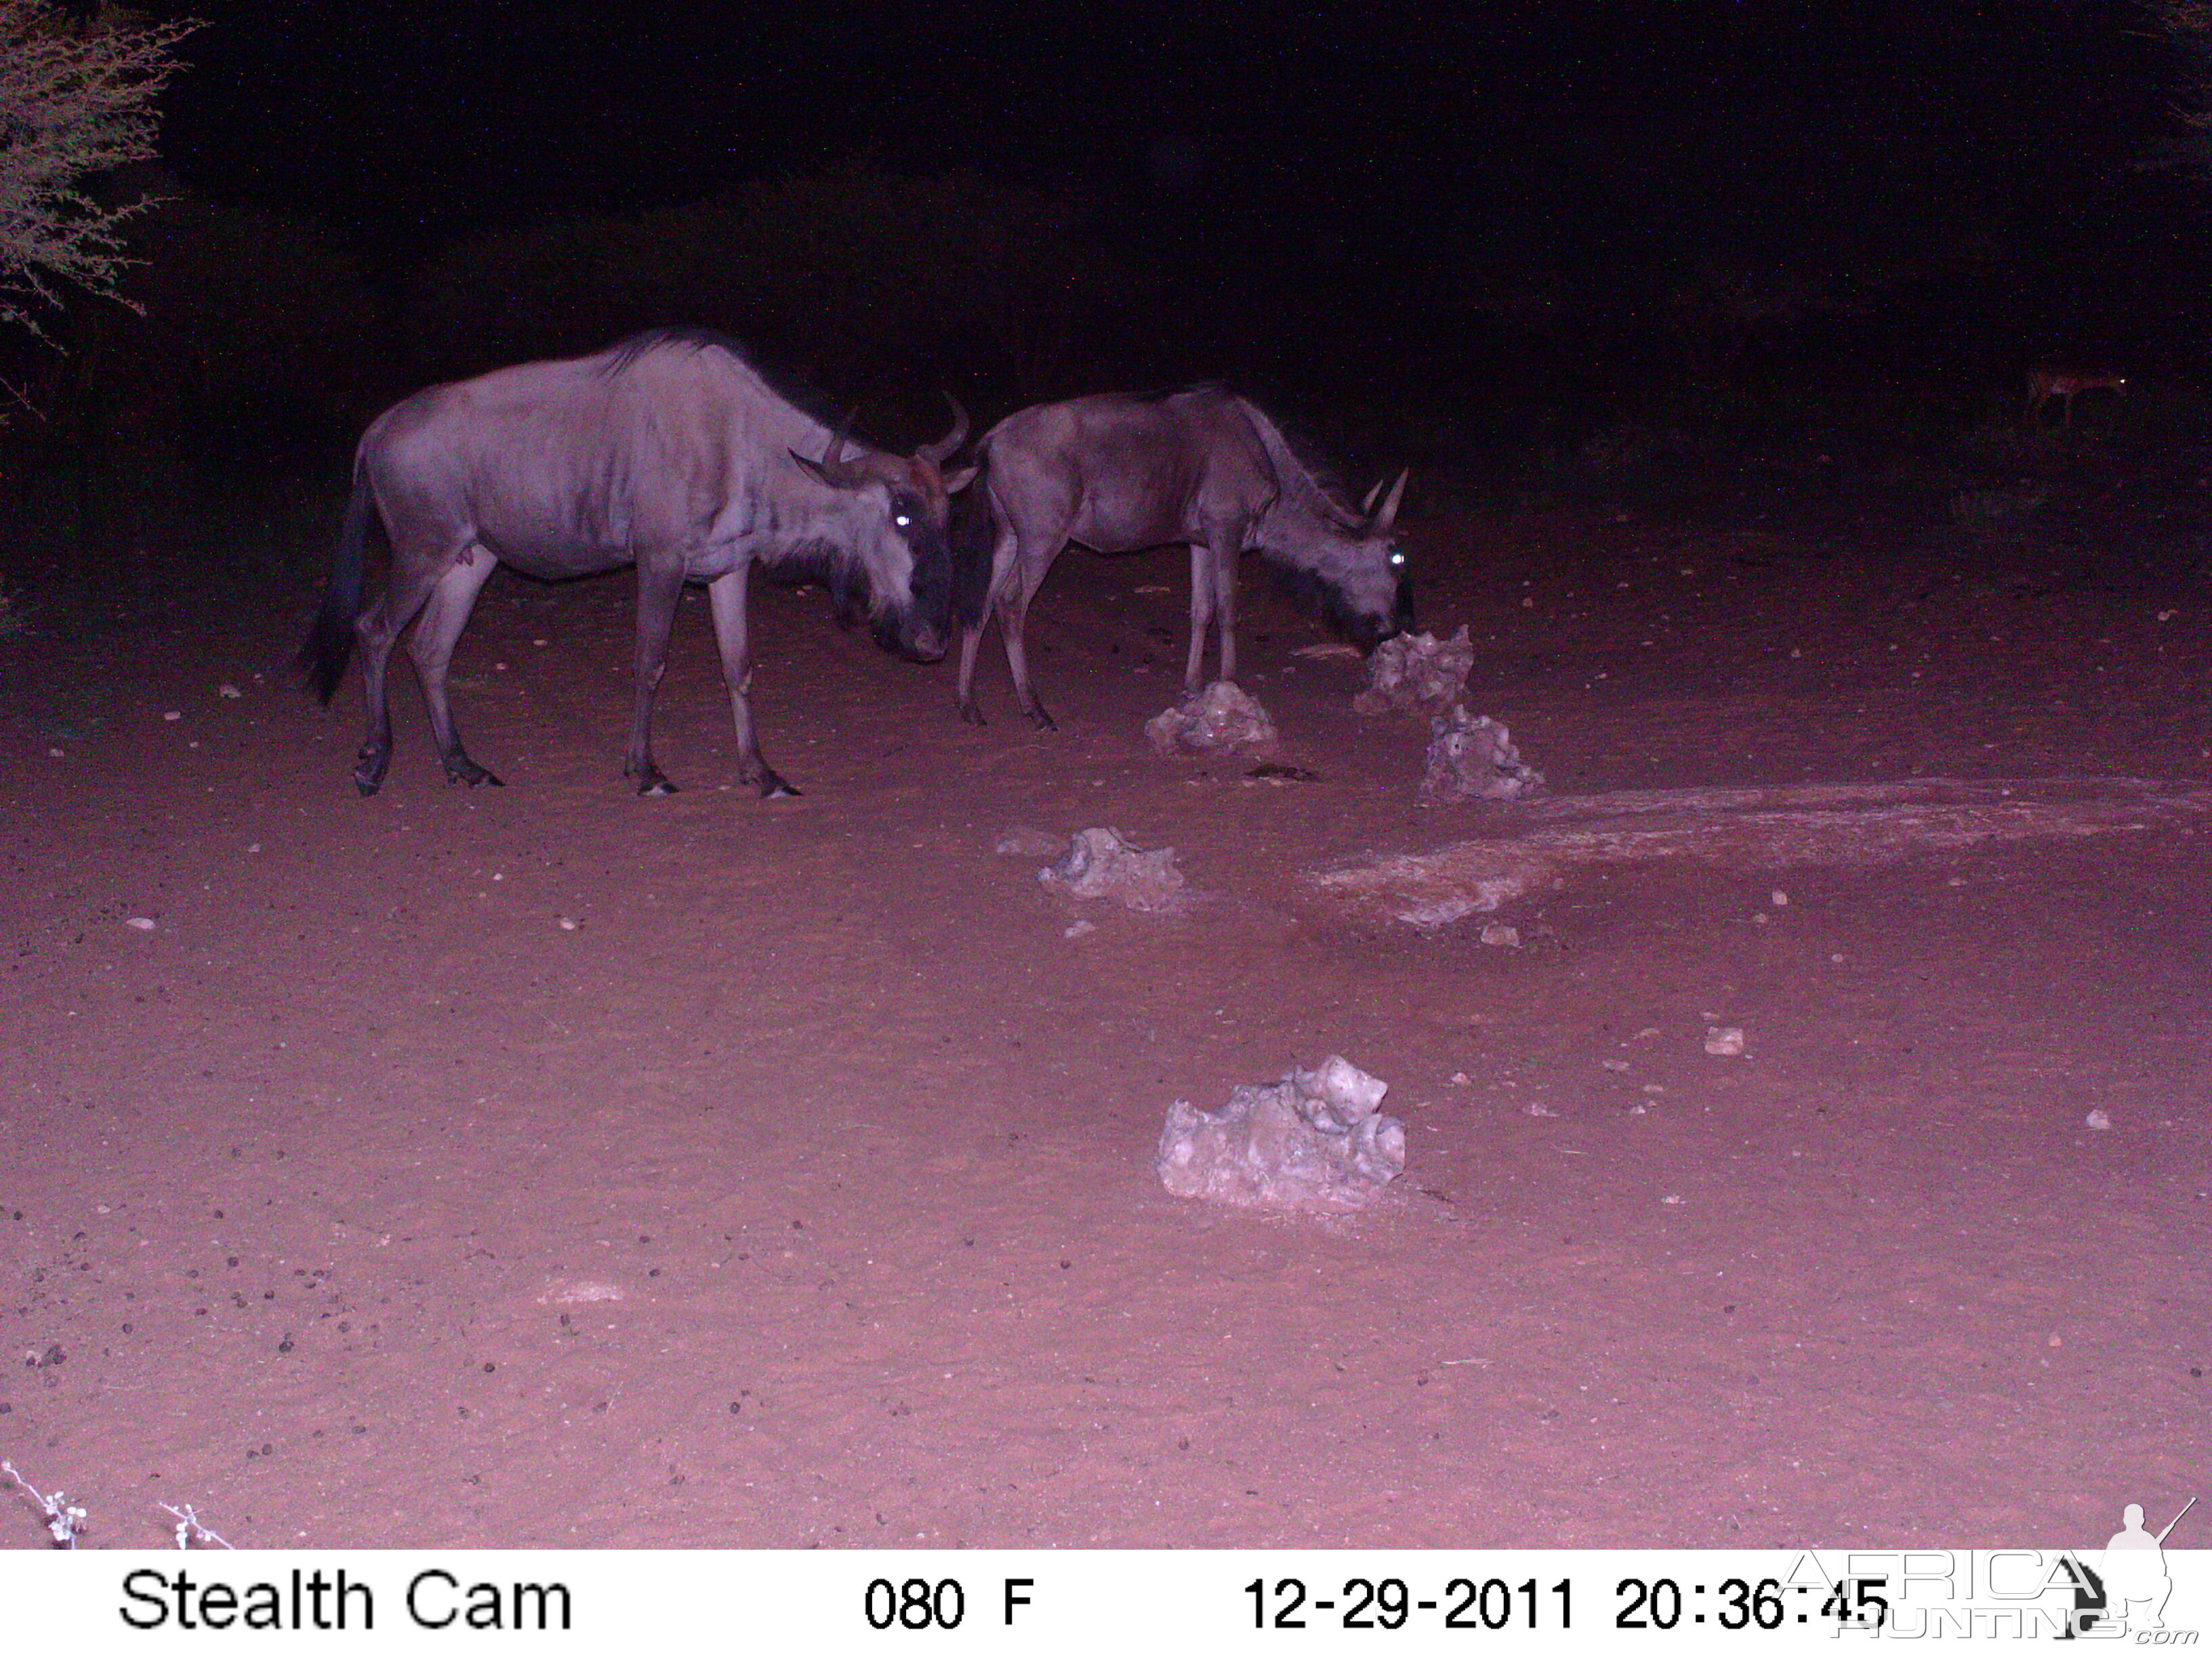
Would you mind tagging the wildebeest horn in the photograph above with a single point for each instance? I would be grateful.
(949, 446)
(1367, 507)
(1381, 523)
(833, 468)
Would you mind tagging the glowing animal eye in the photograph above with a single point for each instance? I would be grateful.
(901, 520)
(1397, 558)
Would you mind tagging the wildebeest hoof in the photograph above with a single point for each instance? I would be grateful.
(772, 788)
(972, 714)
(465, 770)
(1041, 721)
(366, 786)
(655, 787)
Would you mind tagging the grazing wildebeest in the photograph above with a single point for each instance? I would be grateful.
(1201, 467)
(668, 452)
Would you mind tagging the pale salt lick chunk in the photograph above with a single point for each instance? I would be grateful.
(1314, 1141)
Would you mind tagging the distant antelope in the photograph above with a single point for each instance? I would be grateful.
(2045, 384)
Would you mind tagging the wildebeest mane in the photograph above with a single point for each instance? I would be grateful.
(1318, 483)
(1191, 389)
(809, 399)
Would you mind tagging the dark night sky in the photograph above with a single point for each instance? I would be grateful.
(1424, 136)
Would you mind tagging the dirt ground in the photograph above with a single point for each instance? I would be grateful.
(544, 1166)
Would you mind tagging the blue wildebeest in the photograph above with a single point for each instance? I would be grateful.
(1201, 467)
(669, 451)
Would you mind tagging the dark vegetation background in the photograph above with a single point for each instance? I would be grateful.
(1629, 249)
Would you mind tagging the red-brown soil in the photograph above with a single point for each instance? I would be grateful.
(801, 1192)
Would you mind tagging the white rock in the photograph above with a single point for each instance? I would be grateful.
(2098, 1119)
(1472, 757)
(1314, 1141)
(1723, 1039)
(143, 924)
(1100, 863)
(1220, 718)
(1415, 672)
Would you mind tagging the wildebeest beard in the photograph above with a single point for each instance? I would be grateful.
(903, 630)
(1317, 596)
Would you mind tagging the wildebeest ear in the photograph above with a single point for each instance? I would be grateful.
(838, 474)
(957, 482)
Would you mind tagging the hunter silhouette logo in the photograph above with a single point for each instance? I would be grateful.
(2133, 1571)
(2128, 1588)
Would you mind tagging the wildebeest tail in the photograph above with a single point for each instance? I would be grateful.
(974, 538)
(322, 659)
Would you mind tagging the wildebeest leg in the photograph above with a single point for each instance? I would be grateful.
(659, 588)
(432, 646)
(1013, 613)
(1225, 549)
(971, 639)
(1004, 573)
(380, 626)
(1202, 590)
(727, 594)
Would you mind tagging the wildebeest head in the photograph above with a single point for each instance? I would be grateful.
(901, 548)
(1352, 567)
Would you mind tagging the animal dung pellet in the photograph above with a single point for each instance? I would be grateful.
(1472, 757)
(1220, 719)
(143, 924)
(1416, 671)
(1100, 863)
(1723, 1040)
(1315, 1141)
